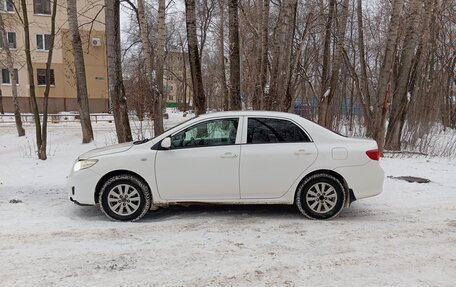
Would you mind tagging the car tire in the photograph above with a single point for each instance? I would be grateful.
(320, 196)
(125, 198)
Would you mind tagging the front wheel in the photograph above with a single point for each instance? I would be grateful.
(321, 196)
(124, 198)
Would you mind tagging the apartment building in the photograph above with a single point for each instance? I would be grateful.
(63, 81)
(173, 80)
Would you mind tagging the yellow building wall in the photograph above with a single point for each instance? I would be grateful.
(62, 60)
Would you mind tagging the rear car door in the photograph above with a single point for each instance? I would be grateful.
(277, 151)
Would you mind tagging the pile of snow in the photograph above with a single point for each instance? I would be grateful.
(404, 237)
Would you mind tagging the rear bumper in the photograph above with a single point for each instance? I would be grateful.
(365, 180)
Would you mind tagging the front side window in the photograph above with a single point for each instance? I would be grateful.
(267, 130)
(42, 7)
(6, 77)
(210, 133)
(41, 77)
(6, 6)
(43, 42)
(11, 36)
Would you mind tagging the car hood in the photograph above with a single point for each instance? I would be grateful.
(107, 150)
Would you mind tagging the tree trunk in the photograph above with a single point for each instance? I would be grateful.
(235, 62)
(79, 65)
(42, 149)
(324, 116)
(291, 24)
(158, 106)
(199, 98)
(2, 111)
(184, 72)
(401, 95)
(263, 101)
(281, 57)
(384, 84)
(13, 80)
(224, 87)
(116, 87)
(364, 92)
(31, 79)
(324, 86)
(149, 61)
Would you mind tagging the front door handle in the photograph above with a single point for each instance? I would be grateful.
(228, 155)
(302, 152)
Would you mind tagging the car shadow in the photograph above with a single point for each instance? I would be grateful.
(224, 211)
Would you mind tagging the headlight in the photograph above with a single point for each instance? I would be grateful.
(83, 164)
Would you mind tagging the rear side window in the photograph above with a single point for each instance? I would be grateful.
(267, 130)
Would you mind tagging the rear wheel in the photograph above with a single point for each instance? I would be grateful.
(320, 196)
(124, 198)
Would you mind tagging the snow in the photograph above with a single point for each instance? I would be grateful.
(326, 93)
(406, 236)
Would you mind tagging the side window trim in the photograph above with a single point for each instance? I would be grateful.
(275, 118)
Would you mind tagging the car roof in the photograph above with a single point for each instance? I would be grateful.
(250, 113)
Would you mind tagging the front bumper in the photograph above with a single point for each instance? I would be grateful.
(81, 186)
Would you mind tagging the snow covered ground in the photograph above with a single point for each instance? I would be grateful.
(404, 237)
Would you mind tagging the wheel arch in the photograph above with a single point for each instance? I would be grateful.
(114, 173)
(337, 175)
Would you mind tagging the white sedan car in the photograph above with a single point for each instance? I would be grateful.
(233, 158)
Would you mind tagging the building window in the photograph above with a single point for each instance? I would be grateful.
(43, 42)
(41, 77)
(42, 7)
(6, 77)
(11, 40)
(6, 6)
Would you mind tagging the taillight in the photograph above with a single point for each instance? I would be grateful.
(373, 154)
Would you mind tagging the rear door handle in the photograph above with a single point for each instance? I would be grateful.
(228, 155)
(302, 152)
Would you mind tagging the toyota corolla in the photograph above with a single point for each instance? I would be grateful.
(230, 158)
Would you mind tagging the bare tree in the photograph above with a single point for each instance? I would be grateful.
(384, 84)
(116, 87)
(36, 115)
(222, 67)
(79, 65)
(41, 134)
(42, 149)
(305, 57)
(160, 66)
(401, 95)
(235, 65)
(2, 111)
(325, 117)
(264, 53)
(363, 79)
(199, 98)
(282, 49)
(325, 75)
(13, 80)
(150, 63)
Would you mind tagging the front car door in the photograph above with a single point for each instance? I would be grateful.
(202, 163)
(276, 152)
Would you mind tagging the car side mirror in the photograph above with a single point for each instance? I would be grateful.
(166, 143)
